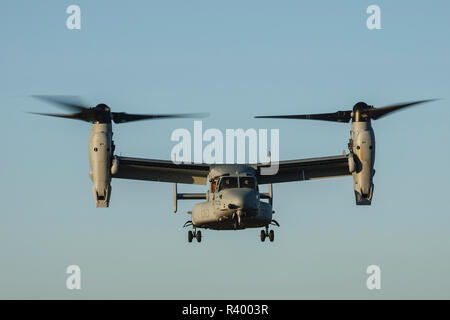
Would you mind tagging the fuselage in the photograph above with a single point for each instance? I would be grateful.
(233, 202)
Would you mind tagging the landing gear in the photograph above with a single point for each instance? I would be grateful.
(271, 235)
(194, 234)
(239, 213)
(237, 217)
(263, 235)
(267, 233)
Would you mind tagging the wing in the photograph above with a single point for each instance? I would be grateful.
(160, 170)
(306, 169)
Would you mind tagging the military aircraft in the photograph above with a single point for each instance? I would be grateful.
(233, 200)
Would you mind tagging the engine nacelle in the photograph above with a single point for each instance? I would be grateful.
(362, 149)
(100, 157)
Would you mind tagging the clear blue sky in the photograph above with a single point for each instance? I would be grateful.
(234, 59)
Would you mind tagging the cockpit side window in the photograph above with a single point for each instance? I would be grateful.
(247, 182)
(228, 183)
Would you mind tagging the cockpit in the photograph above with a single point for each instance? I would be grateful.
(247, 182)
(228, 183)
(237, 182)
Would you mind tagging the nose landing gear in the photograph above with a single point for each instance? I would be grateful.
(237, 217)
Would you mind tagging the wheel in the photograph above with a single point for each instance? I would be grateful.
(190, 236)
(198, 235)
(263, 235)
(271, 235)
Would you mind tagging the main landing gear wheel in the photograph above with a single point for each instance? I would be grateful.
(263, 235)
(194, 234)
(267, 233)
(271, 235)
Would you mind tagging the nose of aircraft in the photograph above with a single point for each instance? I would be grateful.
(241, 198)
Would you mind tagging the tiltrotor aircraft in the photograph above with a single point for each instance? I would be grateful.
(233, 200)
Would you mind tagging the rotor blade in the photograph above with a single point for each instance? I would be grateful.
(122, 117)
(72, 103)
(340, 116)
(377, 113)
(76, 116)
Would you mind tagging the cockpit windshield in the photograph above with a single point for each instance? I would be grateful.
(228, 183)
(232, 182)
(247, 182)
